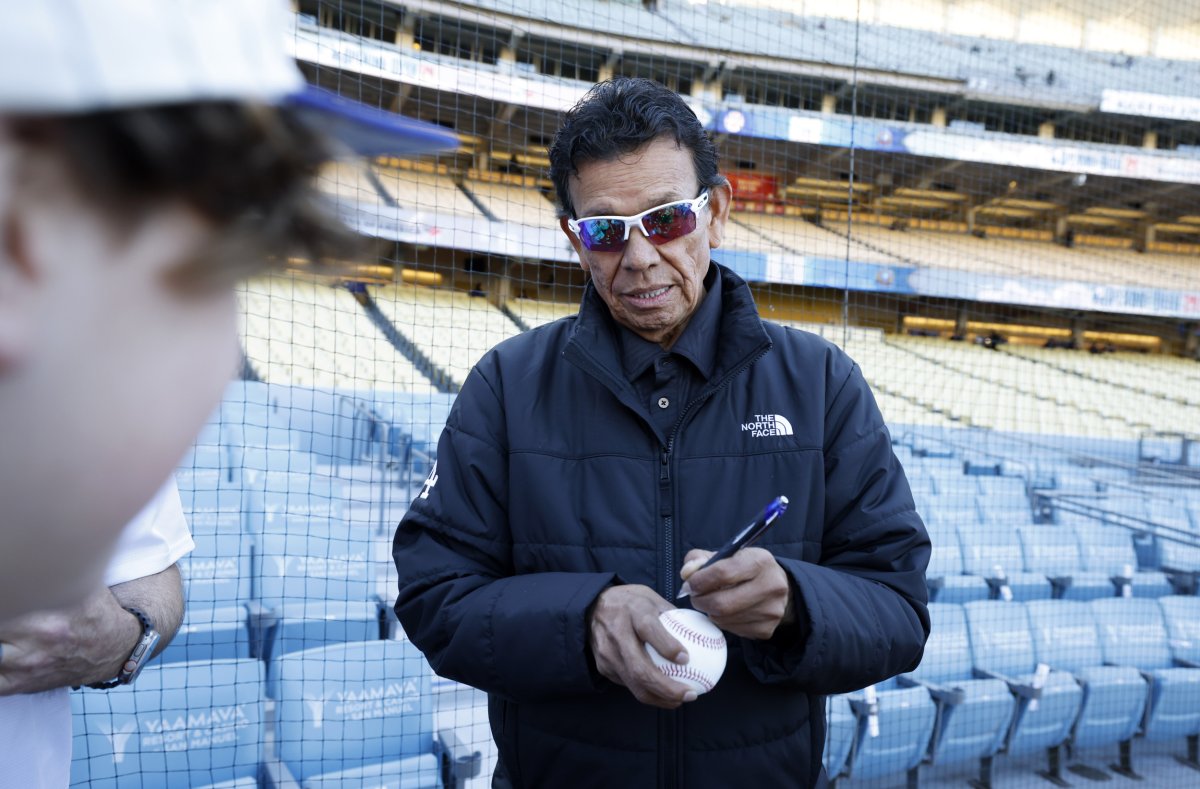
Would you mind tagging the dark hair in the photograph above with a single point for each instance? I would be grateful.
(619, 116)
(250, 169)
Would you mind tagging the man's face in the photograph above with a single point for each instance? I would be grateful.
(650, 289)
(107, 371)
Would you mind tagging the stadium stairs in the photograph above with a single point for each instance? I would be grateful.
(514, 317)
(441, 379)
(248, 373)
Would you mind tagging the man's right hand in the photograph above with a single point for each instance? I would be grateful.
(624, 619)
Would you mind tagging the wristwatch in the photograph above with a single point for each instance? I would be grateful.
(138, 658)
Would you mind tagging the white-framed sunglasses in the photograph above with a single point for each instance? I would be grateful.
(659, 224)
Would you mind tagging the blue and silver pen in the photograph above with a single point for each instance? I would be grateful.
(746, 536)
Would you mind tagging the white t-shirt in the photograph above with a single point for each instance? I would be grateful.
(35, 729)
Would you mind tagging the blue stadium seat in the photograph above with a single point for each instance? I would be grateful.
(216, 576)
(973, 713)
(181, 725)
(1073, 480)
(254, 440)
(1002, 648)
(955, 510)
(1109, 550)
(1053, 551)
(951, 483)
(905, 717)
(217, 571)
(355, 715)
(308, 624)
(205, 466)
(1124, 508)
(1178, 556)
(840, 728)
(1133, 633)
(313, 584)
(313, 561)
(947, 582)
(1007, 511)
(1114, 697)
(949, 512)
(1007, 489)
(307, 502)
(1169, 512)
(1004, 500)
(1182, 616)
(214, 511)
(210, 633)
(921, 483)
(995, 553)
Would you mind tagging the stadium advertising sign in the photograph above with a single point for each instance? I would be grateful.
(958, 144)
(360, 56)
(390, 700)
(753, 186)
(1153, 105)
(1053, 293)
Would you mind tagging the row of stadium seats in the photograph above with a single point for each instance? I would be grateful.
(346, 715)
(452, 328)
(310, 334)
(281, 563)
(307, 333)
(1007, 257)
(1020, 678)
(282, 567)
(994, 67)
(1035, 562)
(1145, 406)
(975, 386)
(359, 181)
(1171, 377)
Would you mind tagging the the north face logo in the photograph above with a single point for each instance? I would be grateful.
(767, 425)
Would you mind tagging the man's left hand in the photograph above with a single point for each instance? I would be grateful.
(76, 646)
(747, 594)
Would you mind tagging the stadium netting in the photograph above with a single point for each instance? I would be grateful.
(991, 206)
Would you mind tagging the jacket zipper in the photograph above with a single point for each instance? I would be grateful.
(670, 762)
(664, 476)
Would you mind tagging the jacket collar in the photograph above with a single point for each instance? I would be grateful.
(742, 335)
(697, 343)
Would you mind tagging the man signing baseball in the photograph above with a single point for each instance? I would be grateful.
(589, 465)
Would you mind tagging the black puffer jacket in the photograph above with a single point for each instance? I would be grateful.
(551, 484)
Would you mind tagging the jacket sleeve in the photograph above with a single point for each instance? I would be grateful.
(460, 601)
(861, 611)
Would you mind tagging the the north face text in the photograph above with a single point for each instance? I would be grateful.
(767, 425)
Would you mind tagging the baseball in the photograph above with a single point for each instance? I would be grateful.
(705, 645)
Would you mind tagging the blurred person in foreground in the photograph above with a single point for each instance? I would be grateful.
(103, 642)
(589, 466)
(151, 155)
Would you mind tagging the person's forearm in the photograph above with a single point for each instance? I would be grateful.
(160, 597)
(90, 642)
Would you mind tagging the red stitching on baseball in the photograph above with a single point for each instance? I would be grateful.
(712, 642)
(686, 672)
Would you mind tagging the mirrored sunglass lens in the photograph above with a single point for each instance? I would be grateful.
(602, 234)
(670, 222)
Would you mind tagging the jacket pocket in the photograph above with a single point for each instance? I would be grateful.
(503, 714)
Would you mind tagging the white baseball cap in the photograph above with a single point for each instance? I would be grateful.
(75, 56)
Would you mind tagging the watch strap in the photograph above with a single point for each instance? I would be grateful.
(137, 658)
